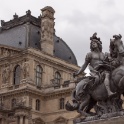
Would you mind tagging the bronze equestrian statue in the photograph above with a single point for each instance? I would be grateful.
(101, 90)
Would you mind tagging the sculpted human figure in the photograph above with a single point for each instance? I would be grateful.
(26, 69)
(107, 70)
(95, 60)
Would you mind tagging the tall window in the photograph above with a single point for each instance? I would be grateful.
(62, 103)
(13, 102)
(39, 71)
(57, 78)
(24, 120)
(38, 105)
(17, 74)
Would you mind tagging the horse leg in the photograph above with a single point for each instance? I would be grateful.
(85, 101)
(107, 84)
(92, 103)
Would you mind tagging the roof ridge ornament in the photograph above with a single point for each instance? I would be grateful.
(16, 21)
(28, 13)
(2, 22)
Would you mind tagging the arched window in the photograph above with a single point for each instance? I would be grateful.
(17, 74)
(38, 105)
(39, 71)
(13, 102)
(62, 103)
(57, 78)
(60, 120)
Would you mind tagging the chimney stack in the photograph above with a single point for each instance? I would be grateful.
(47, 30)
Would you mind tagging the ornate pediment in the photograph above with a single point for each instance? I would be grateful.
(21, 20)
(60, 120)
(38, 121)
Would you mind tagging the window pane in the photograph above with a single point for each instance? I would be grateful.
(62, 104)
(57, 78)
(38, 75)
(38, 105)
(17, 73)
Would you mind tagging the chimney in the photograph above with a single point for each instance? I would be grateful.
(47, 30)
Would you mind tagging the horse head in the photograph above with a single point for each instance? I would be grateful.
(116, 46)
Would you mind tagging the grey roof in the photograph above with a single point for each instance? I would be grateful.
(63, 51)
(26, 34)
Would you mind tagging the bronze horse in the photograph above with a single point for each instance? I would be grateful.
(84, 98)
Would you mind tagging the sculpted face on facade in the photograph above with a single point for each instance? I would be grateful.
(6, 73)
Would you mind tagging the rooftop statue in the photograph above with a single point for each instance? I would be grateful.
(103, 88)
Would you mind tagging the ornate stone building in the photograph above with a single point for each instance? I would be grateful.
(36, 69)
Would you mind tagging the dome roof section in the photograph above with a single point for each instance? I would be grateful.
(63, 51)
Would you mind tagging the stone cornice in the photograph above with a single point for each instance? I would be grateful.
(50, 113)
(40, 93)
(16, 21)
(6, 51)
(42, 57)
(10, 47)
(52, 59)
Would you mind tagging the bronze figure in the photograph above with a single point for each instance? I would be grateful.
(101, 90)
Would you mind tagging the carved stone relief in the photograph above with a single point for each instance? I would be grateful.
(38, 121)
(6, 73)
(5, 52)
(21, 101)
(60, 120)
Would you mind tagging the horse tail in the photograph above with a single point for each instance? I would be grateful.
(121, 82)
(75, 104)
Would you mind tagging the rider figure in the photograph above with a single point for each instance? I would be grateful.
(95, 59)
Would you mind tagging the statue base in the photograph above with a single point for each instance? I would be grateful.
(111, 118)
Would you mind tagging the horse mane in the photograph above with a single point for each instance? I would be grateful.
(113, 50)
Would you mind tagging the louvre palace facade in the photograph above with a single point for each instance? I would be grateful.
(36, 69)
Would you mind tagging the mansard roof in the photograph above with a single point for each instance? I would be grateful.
(25, 31)
(16, 21)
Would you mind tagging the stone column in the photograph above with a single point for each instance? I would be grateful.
(2, 121)
(47, 30)
(21, 119)
(26, 120)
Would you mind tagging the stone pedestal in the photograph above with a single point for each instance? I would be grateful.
(105, 119)
(115, 120)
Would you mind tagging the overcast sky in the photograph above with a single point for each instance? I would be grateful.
(76, 20)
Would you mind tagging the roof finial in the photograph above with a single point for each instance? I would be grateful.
(2, 22)
(15, 16)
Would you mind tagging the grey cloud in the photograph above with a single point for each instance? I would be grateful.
(75, 21)
(81, 26)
